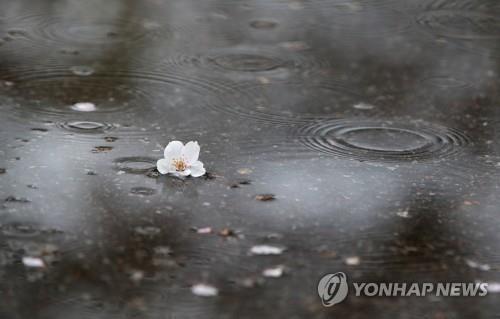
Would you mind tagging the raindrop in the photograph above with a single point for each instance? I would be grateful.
(382, 141)
(363, 106)
(143, 191)
(15, 230)
(82, 70)
(246, 62)
(86, 126)
(135, 165)
(148, 230)
(84, 107)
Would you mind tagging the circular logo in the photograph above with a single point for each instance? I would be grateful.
(333, 289)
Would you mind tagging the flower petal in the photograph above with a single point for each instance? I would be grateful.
(163, 166)
(173, 149)
(191, 152)
(197, 169)
(185, 172)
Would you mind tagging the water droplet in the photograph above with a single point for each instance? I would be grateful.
(364, 106)
(84, 107)
(143, 191)
(82, 70)
(148, 230)
(136, 165)
(382, 141)
(86, 126)
(246, 62)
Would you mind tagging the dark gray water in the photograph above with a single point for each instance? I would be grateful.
(357, 135)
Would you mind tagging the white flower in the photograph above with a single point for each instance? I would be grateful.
(181, 160)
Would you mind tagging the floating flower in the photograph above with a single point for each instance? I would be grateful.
(181, 160)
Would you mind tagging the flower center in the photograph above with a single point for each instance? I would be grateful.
(180, 165)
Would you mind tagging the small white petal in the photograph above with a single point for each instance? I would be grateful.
(33, 262)
(186, 172)
(274, 272)
(197, 169)
(163, 166)
(191, 152)
(204, 290)
(266, 250)
(173, 149)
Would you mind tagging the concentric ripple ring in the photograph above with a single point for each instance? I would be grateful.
(366, 140)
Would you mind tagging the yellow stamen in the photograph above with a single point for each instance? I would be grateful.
(179, 164)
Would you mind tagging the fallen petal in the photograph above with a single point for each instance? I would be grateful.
(204, 290)
(266, 250)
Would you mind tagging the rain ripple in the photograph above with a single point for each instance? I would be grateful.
(386, 141)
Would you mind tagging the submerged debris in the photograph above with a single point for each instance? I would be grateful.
(3, 170)
(110, 139)
(153, 173)
(14, 199)
(265, 197)
(241, 182)
(266, 250)
(226, 232)
(39, 129)
(204, 290)
(210, 176)
(102, 149)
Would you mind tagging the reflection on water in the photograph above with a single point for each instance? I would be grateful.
(353, 135)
